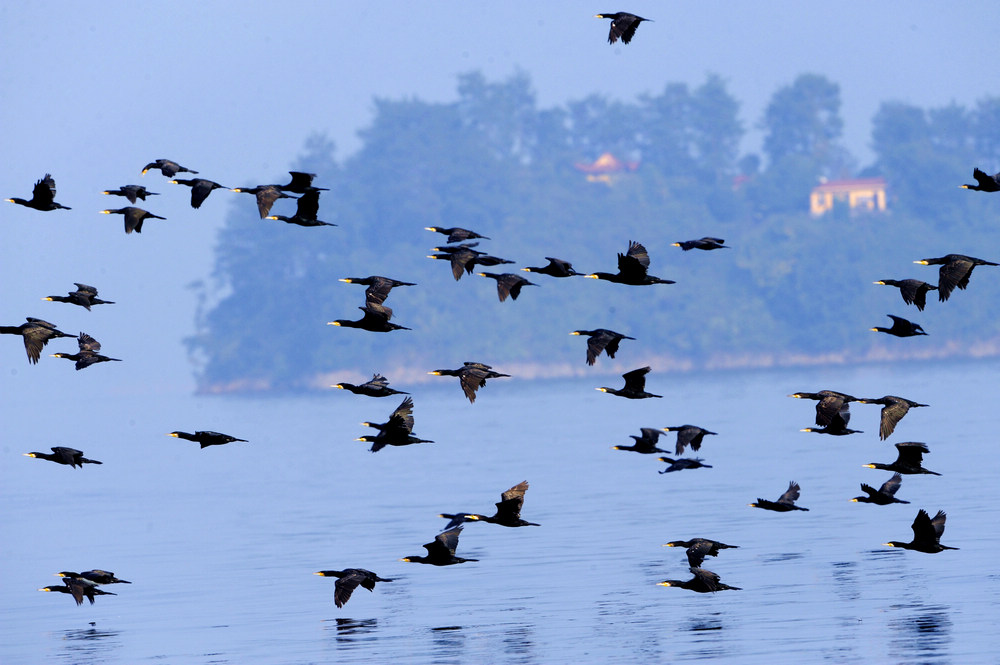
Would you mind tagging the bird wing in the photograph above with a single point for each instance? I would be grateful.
(599, 342)
(85, 289)
(831, 407)
(628, 26)
(697, 552)
(266, 196)
(471, 378)
(938, 524)
(707, 578)
(346, 585)
(44, 190)
(307, 207)
(911, 453)
(87, 343)
(636, 379)
(923, 527)
(892, 413)
(636, 260)
(444, 543)
(402, 418)
(951, 274)
(791, 494)
(511, 501)
(890, 486)
(869, 490)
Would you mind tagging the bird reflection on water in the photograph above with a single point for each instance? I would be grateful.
(91, 645)
(923, 634)
(353, 632)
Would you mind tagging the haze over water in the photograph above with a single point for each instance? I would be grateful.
(221, 543)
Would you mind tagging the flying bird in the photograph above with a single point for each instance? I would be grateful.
(348, 580)
(376, 319)
(301, 183)
(88, 354)
(884, 495)
(206, 438)
(134, 217)
(832, 408)
(79, 590)
(508, 284)
(632, 268)
(167, 168)
(984, 182)
(635, 385)
(688, 435)
(306, 209)
(901, 327)
(472, 376)
(42, 196)
(955, 270)
(378, 286)
(707, 243)
(94, 577)
(441, 550)
(927, 534)
(508, 510)
(704, 581)
(785, 502)
(36, 334)
(456, 234)
(682, 463)
(84, 296)
(266, 196)
(893, 410)
(397, 431)
(909, 459)
(601, 339)
(377, 386)
(914, 291)
(71, 457)
(131, 192)
(645, 443)
(623, 26)
(554, 268)
(200, 189)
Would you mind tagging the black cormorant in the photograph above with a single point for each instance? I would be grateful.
(914, 291)
(508, 284)
(703, 581)
(472, 376)
(88, 354)
(206, 438)
(785, 502)
(927, 534)
(36, 334)
(167, 168)
(95, 576)
(441, 550)
(84, 296)
(623, 26)
(456, 234)
(955, 270)
(301, 183)
(79, 590)
(378, 286)
(508, 510)
(42, 196)
(63, 455)
(131, 192)
(833, 408)
(555, 268)
(645, 443)
(901, 327)
(378, 386)
(884, 495)
(376, 319)
(134, 217)
(349, 579)
(683, 463)
(908, 459)
(707, 243)
(893, 410)
(306, 209)
(632, 267)
(688, 435)
(200, 189)
(266, 196)
(601, 339)
(984, 182)
(635, 385)
(397, 431)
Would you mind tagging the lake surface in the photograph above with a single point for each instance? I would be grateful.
(221, 544)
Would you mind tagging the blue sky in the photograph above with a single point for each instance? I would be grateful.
(94, 92)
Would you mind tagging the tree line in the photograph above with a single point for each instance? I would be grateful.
(791, 286)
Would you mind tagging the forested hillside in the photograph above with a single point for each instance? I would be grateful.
(792, 288)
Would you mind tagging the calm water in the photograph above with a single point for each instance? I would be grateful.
(221, 543)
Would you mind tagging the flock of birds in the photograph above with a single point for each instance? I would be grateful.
(832, 408)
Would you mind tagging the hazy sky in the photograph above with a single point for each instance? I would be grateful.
(92, 92)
